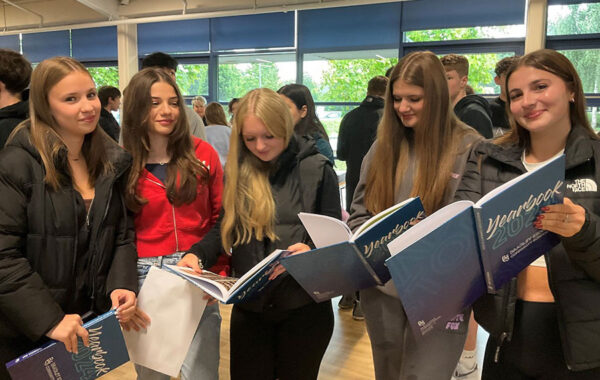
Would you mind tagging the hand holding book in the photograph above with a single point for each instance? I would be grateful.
(565, 219)
(293, 250)
(67, 331)
(193, 262)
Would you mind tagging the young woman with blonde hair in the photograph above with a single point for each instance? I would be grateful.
(174, 189)
(420, 150)
(66, 241)
(271, 176)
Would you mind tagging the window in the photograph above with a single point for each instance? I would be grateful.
(343, 76)
(453, 34)
(481, 71)
(105, 75)
(573, 19)
(192, 79)
(239, 74)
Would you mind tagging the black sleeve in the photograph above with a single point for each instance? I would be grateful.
(584, 247)
(328, 196)
(480, 121)
(342, 145)
(210, 247)
(469, 187)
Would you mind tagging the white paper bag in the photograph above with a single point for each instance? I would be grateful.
(175, 307)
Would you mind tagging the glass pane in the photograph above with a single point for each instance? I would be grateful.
(105, 76)
(481, 71)
(343, 76)
(192, 79)
(573, 19)
(241, 73)
(505, 31)
(331, 117)
(586, 63)
(594, 116)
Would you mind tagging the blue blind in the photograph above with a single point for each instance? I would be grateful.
(95, 44)
(259, 31)
(173, 37)
(438, 14)
(39, 46)
(358, 27)
(10, 42)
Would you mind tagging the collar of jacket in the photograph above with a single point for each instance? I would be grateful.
(577, 150)
(299, 148)
(117, 156)
(373, 101)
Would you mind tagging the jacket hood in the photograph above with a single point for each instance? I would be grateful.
(473, 100)
(117, 156)
(18, 110)
(373, 101)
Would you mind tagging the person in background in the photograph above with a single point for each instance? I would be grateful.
(306, 122)
(110, 99)
(498, 105)
(358, 130)
(545, 323)
(174, 189)
(271, 176)
(218, 131)
(472, 110)
(420, 150)
(169, 65)
(66, 240)
(199, 104)
(15, 73)
(232, 107)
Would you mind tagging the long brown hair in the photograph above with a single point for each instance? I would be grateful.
(559, 65)
(436, 138)
(184, 171)
(43, 125)
(215, 114)
(247, 199)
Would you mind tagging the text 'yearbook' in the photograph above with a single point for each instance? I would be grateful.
(447, 261)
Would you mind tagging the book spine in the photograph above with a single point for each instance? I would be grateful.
(487, 271)
(366, 264)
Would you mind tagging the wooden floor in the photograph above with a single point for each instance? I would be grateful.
(348, 355)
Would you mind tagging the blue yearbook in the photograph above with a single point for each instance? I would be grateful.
(230, 289)
(106, 352)
(451, 258)
(344, 262)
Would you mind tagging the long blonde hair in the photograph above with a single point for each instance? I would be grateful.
(247, 199)
(435, 140)
(43, 126)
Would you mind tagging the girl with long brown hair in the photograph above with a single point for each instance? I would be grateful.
(174, 188)
(65, 242)
(545, 323)
(420, 150)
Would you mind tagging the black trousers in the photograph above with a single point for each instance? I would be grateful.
(535, 351)
(284, 345)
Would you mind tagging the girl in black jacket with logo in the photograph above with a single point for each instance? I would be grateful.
(66, 243)
(545, 324)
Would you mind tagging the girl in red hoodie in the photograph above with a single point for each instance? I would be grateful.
(175, 190)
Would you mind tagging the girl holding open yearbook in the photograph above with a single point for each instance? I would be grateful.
(420, 150)
(66, 242)
(545, 324)
(271, 176)
(175, 190)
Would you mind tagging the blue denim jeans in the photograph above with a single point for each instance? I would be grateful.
(202, 359)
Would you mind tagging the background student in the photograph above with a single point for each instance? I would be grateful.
(420, 150)
(66, 243)
(15, 73)
(545, 323)
(110, 99)
(271, 176)
(218, 130)
(175, 190)
(498, 105)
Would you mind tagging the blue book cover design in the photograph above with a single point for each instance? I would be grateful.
(345, 267)
(106, 352)
(450, 259)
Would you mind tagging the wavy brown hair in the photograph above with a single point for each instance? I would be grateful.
(559, 65)
(43, 126)
(184, 171)
(247, 198)
(435, 140)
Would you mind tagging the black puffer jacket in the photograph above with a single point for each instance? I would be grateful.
(109, 124)
(39, 229)
(301, 180)
(474, 111)
(11, 116)
(573, 265)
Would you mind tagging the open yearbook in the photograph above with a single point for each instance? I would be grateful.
(106, 352)
(447, 261)
(344, 262)
(229, 289)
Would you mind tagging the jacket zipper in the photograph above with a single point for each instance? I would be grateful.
(95, 247)
(497, 353)
(173, 213)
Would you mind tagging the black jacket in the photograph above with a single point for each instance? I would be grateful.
(358, 130)
(474, 111)
(39, 228)
(109, 124)
(301, 180)
(573, 265)
(10, 117)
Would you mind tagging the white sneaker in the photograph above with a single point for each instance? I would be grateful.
(463, 372)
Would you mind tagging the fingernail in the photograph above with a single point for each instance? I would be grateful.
(545, 208)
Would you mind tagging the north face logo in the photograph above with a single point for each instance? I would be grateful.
(581, 185)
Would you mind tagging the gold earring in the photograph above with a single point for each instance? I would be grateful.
(572, 100)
